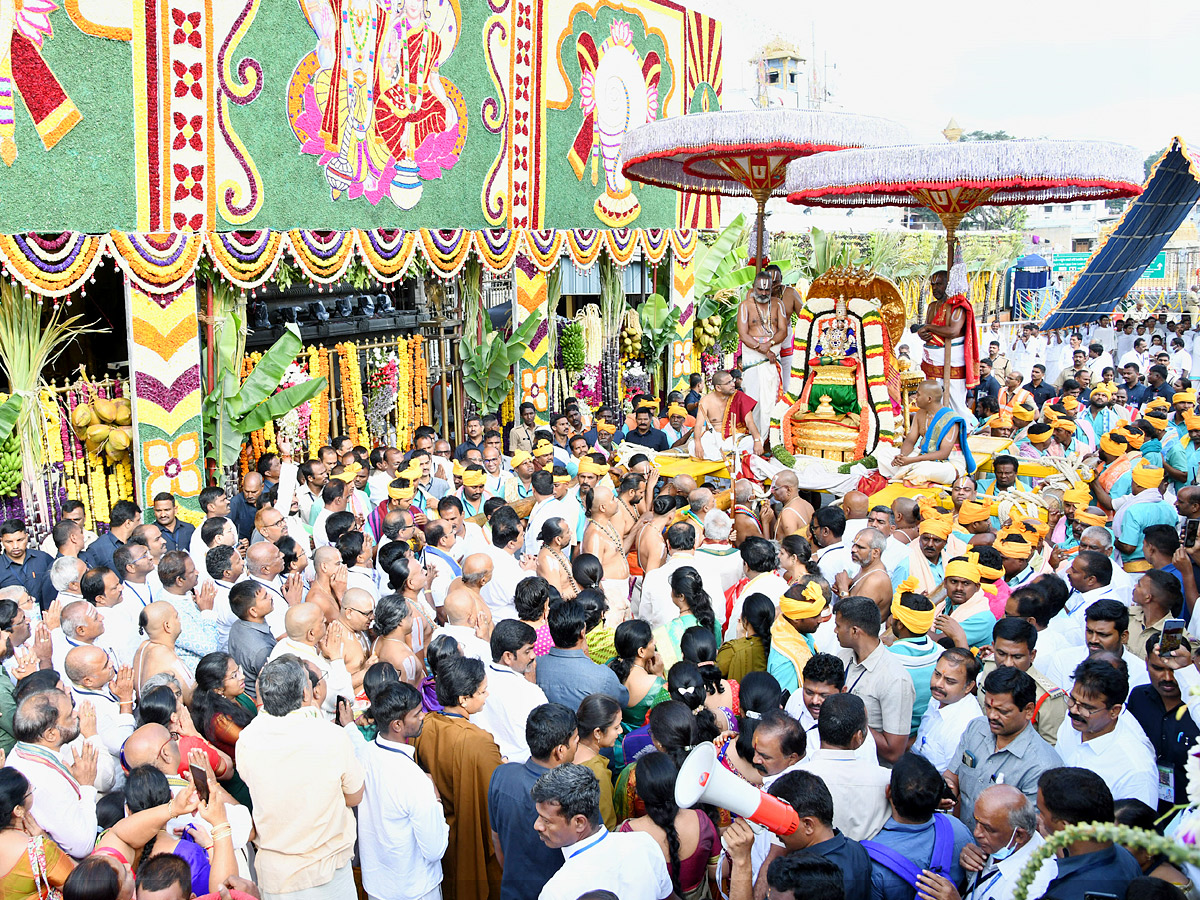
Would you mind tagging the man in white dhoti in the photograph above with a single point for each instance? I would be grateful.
(763, 330)
(725, 422)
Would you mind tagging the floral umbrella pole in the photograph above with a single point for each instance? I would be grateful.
(953, 179)
(744, 153)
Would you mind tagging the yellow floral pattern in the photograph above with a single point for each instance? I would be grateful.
(172, 466)
(533, 388)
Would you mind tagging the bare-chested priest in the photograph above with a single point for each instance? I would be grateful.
(603, 541)
(762, 325)
(935, 449)
(725, 421)
(951, 339)
(793, 305)
(156, 655)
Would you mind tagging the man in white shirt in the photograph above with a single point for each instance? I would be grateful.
(101, 588)
(306, 632)
(824, 677)
(402, 830)
(312, 476)
(133, 565)
(1090, 575)
(630, 864)
(858, 786)
(511, 695)
(1136, 356)
(334, 497)
(1181, 360)
(461, 621)
(719, 550)
(63, 795)
(1099, 359)
(656, 606)
(1005, 837)
(759, 561)
(1106, 630)
(215, 505)
(1090, 739)
(92, 677)
(225, 567)
(952, 707)
(264, 564)
(545, 506)
(358, 557)
(80, 625)
(506, 571)
(833, 556)
(385, 461)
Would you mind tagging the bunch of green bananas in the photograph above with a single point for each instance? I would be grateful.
(707, 332)
(10, 465)
(570, 344)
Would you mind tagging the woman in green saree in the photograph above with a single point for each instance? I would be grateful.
(695, 608)
(639, 667)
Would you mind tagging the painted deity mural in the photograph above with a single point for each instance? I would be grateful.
(370, 100)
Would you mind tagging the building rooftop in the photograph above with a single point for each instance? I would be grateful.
(778, 48)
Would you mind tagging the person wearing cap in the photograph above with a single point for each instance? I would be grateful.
(1000, 425)
(473, 496)
(1114, 479)
(543, 452)
(677, 435)
(1063, 441)
(1036, 442)
(1146, 507)
(590, 473)
(910, 620)
(1074, 498)
(803, 607)
(928, 555)
(520, 487)
(644, 433)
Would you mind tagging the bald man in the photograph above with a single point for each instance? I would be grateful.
(264, 564)
(329, 581)
(935, 449)
(700, 503)
(908, 519)
(856, 505)
(244, 505)
(79, 624)
(462, 617)
(90, 676)
(311, 640)
(477, 570)
(153, 745)
(684, 484)
(356, 613)
(1005, 823)
(160, 623)
(797, 512)
(746, 521)
(603, 540)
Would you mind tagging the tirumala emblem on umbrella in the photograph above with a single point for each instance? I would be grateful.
(618, 91)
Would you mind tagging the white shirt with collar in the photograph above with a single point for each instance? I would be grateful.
(836, 558)
(511, 698)
(1125, 762)
(377, 486)
(112, 725)
(656, 605)
(942, 727)
(498, 593)
(542, 512)
(1071, 621)
(48, 546)
(222, 609)
(402, 831)
(469, 642)
(797, 710)
(136, 598)
(305, 498)
(630, 864)
(337, 677)
(120, 631)
(999, 880)
(275, 618)
(1060, 667)
(66, 808)
(363, 578)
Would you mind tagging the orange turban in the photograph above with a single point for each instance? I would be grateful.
(1063, 423)
(1111, 446)
(605, 428)
(1191, 420)
(1146, 475)
(986, 573)
(543, 448)
(592, 468)
(1069, 403)
(1001, 420)
(1014, 547)
(1105, 389)
(1022, 414)
(676, 410)
(812, 603)
(973, 511)
(1188, 396)
(939, 526)
(1077, 495)
(1135, 436)
(1156, 403)
(1088, 518)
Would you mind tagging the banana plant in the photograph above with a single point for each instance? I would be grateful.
(488, 362)
(658, 319)
(234, 409)
(828, 251)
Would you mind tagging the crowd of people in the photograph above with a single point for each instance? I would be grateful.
(475, 671)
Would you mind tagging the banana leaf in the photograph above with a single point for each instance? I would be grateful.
(268, 373)
(279, 405)
(10, 411)
(708, 261)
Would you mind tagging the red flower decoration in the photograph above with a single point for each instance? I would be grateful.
(189, 182)
(189, 79)
(183, 223)
(187, 28)
(188, 132)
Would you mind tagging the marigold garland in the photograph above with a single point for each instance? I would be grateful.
(353, 413)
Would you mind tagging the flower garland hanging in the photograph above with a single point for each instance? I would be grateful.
(352, 392)
(406, 412)
(420, 370)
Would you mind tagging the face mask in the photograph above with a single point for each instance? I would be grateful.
(1007, 850)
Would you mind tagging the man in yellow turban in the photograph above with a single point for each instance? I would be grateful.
(1064, 443)
(677, 434)
(472, 496)
(1147, 507)
(966, 604)
(1001, 425)
(910, 620)
(928, 554)
(975, 517)
(803, 607)
(1036, 442)
(520, 487)
(1017, 552)
(1099, 417)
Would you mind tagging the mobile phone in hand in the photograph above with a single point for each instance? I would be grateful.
(200, 780)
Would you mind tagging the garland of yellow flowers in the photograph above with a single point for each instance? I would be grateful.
(420, 368)
(318, 407)
(405, 412)
(352, 393)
